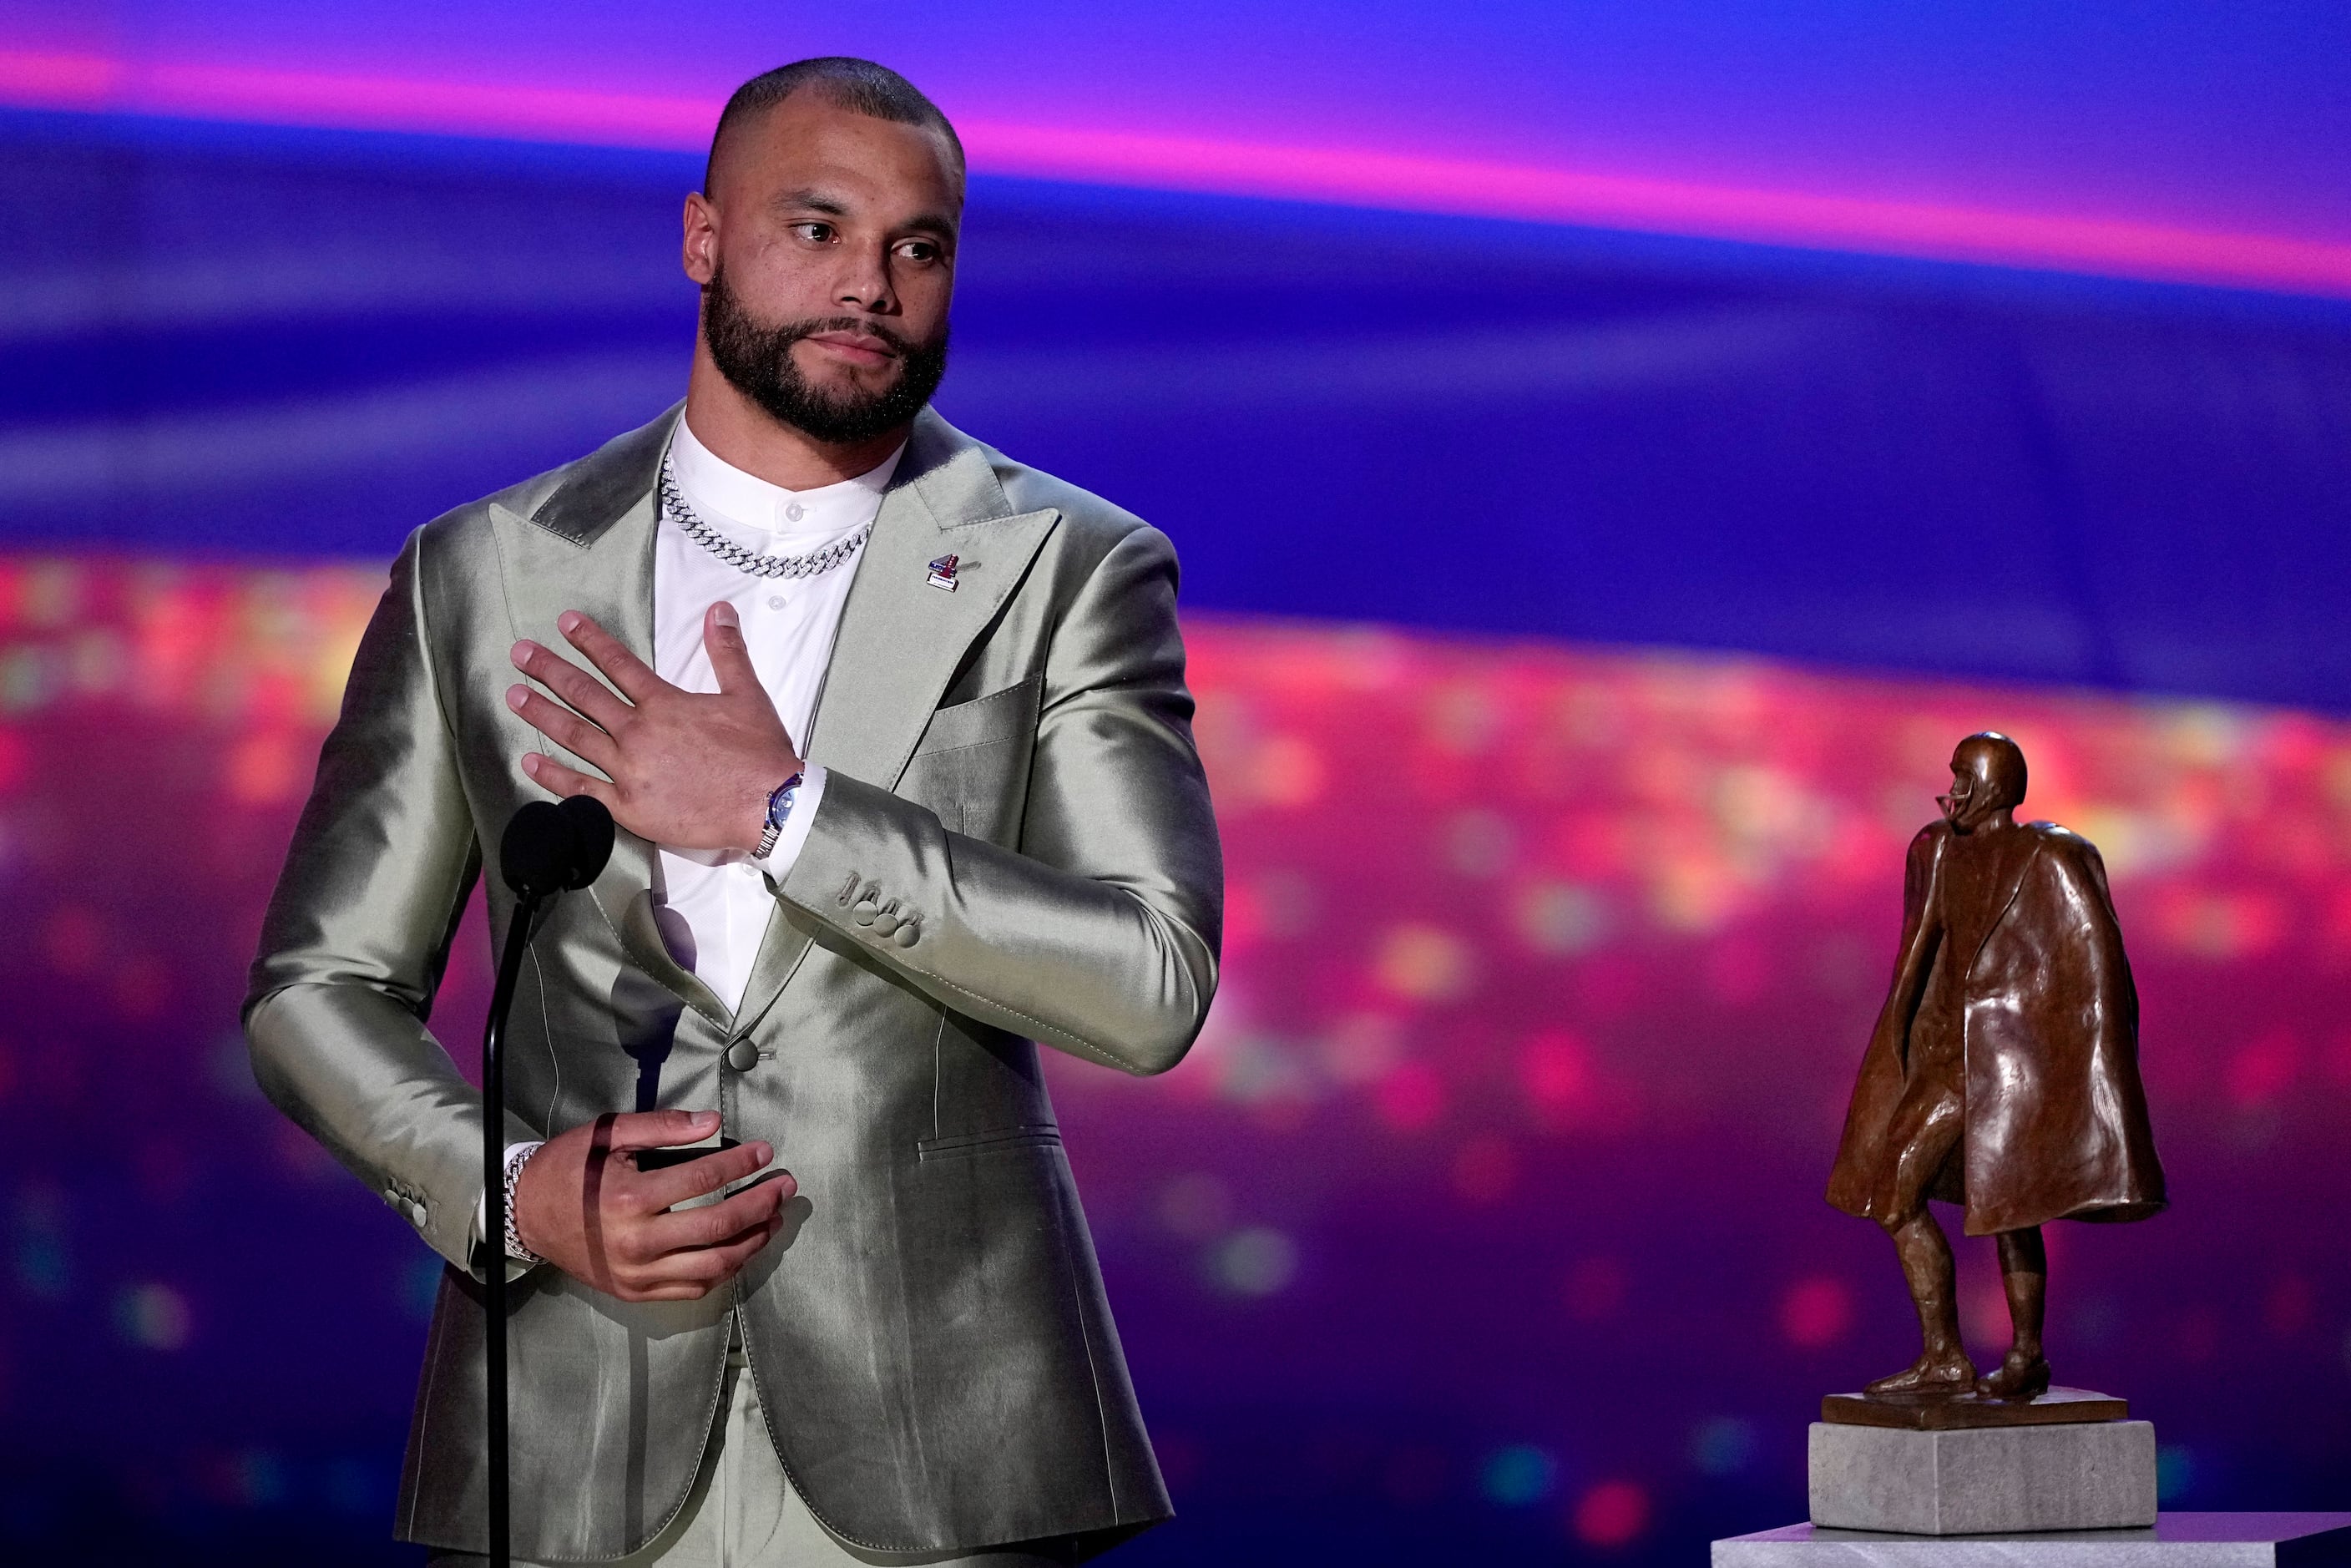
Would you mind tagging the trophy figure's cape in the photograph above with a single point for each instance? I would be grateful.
(2047, 1021)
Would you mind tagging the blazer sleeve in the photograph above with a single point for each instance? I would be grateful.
(1100, 935)
(358, 932)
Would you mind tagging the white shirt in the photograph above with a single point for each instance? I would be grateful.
(714, 906)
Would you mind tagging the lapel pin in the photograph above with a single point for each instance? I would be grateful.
(943, 573)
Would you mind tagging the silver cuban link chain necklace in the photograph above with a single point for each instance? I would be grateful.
(816, 563)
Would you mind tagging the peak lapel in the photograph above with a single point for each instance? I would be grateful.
(900, 640)
(590, 547)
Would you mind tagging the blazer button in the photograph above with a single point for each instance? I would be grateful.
(864, 911)
(742, 1056)
(908, 932)
(886, 922)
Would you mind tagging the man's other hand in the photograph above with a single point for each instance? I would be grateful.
(691, 769)
(581, 1204)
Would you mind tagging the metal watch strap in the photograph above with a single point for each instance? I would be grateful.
(780, 811)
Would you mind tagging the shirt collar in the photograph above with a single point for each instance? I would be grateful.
(730, 498)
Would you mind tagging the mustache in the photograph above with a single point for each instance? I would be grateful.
(896, 343)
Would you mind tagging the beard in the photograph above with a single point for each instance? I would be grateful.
(757, 360)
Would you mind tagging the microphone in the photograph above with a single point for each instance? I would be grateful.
(555, 846)
(549, 847)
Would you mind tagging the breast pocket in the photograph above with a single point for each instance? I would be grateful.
(972, 764)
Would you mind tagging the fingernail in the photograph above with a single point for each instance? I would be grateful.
(516, 697)
(530, 763)
(765, 1152)
(522, 651)
(724, 614)
(570, 622)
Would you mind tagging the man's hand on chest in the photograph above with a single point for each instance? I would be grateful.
(685, 768)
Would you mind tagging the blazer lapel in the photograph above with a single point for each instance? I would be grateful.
(589, 547)
(902, 640)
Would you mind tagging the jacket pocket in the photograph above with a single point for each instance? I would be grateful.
(956, 1146)
(972, 767)
(1001, 716)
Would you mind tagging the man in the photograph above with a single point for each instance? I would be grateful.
(896, 734)
(2003, 1072)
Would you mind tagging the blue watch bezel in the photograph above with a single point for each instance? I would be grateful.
(782, 799)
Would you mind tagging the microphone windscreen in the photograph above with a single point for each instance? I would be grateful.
(537, 850)
(591, 827)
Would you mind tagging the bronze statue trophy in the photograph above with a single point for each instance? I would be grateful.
(2003, 1077)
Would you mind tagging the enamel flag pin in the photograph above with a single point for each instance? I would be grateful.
(943, 573)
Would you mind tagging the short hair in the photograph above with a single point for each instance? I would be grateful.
(847, 82)
(2005, 771)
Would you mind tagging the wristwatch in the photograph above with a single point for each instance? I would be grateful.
(779, 808)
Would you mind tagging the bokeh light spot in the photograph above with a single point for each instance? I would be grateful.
(360, 1486)
(41, 1268)
(2175, 1472)
(29, 677)
(2265, 1068)
(1478, 843)
(1195, 1205)
(1410, 1098)
(265, 769)
(155, 1317)
(2292, 1305)
(1613, 1513)
(1723, 1446)
(1424, 962)
(1256, 1261)
(1519, 1475)
(1288, 771)
(259, 1479)
(1559, 917)
(1815, 1312)
(1556, 1068)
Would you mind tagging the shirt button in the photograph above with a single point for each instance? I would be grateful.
(775, 602)
(795, 511)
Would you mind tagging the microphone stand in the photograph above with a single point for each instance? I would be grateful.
(494, 1224)
(547, 848)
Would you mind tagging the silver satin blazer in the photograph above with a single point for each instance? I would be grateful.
(1015, 845)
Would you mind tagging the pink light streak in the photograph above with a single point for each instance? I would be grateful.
(1356, 177)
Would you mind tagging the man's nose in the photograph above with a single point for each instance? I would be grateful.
(865, 283)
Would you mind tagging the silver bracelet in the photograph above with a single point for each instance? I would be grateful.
(516, 1157)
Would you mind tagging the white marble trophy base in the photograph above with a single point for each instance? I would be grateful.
(2174, 1540)
(2081, 1475)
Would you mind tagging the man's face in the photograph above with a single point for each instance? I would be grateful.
(826, 254)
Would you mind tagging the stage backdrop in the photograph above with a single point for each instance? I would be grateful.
(1485, 1220)
(1581, 626)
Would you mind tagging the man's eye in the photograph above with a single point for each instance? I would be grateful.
(814, 233)
(919, 250)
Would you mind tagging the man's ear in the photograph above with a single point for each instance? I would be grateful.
(699, 250)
